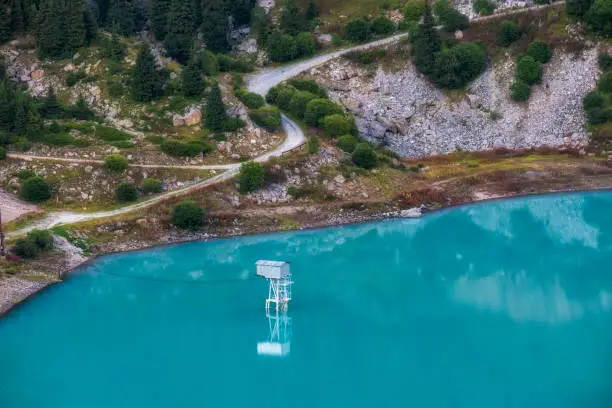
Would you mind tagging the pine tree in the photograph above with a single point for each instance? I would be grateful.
(121, 16)
(6, 32)
(146, 83)
(192, 80)
(241, 11)
(312, 11)
(31, 14)
(292, 20)
(159, 18)
(427, 43)
(179, 40)
(18, 23)
(101, 7)
(20, 122)
(91, 26)
(196, 13)
(6, 104)
(75, 25)
(49, 29)
(51, 107)
(215, 27)
(215, 110)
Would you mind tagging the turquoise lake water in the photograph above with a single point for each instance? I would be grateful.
(502, 304)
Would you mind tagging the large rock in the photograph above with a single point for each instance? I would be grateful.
(193, 117)
(178, 120)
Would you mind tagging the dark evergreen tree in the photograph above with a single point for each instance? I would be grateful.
(20, 122)
(101, 8)
(312, 11)
(159, 18)
(241, 11)
(215, 26)
(51, 107)
(427, 43)
(179, 39)
(18, 23)
(292, 19)
(146, 81)
(215, 110)
(578, 8)
(6, 104)
(49, 29)
(6, 32)
(31, 15)
(196, 13)
(121, 16)
(91, 26)
(75, 24)
(193, 85)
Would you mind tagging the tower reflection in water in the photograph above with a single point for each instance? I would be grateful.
(279, 340)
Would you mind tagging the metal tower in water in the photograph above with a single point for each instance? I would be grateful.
(279, 280)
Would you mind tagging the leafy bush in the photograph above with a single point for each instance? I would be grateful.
(348, 143)
(313, 144)
(43, 239)
(123, 144)
(74, 77)
(578, 8)
(187, 215)
(605, 82)
(22, 144)
(2, 153)
(357, 30)
(335, 125)
(540, 51)
(453, 20)
(364, 156)
(319, 108)
(268, 117)
(285, 94)
(115, 89)
(605, 61)
(151, 186)
(233, 124)
(25, 174)
(208, 63)
(597, 116)
(519, 91)
(459, 65)
(594, 107)
(181, 149)
(308, 85)
(593, 100)
(508, 33)
(115, 163)
(126, 193)
(382, 25)
(299, 102)
(227, 64)
(528, 70)
(251, 177)
(35, 190)
(25, 248)
(109, 134)
(305, 45)
(484, 7)
(599, 17)
(251, 99)
(413, 11)
(281, 47)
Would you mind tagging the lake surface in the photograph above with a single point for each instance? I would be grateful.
(501, 304)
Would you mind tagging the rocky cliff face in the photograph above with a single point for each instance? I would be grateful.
(404, 111)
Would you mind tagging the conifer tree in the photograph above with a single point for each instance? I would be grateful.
(18, 23)
(75, 25)
(159, 18)
(241, 11)
(179, 40)
(215, 110)
(193, 85)
(91, 26)
(49, 29)
(101, 7)
(20, 123)
(196, 13)
(6, 104)
(6, 32)
(312, 11)
(51, 107)
(292, 20)
(215, 27)
(31, 13)
(121, 16)
(146, 83)
(427, 43)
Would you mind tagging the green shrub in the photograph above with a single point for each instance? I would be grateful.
(605, 82)
(208, 62)
(109, 134)
(313, 144)
(484, 7)
(305, 45)
(319, 108)
(272, 94)
(299, 101)
(155, 139)
(2, 153)
(281, 47)
(268, 117)
(605, 61)
(74, 77)
(413, 11)
(227, 64)
(35, 190)
(25, 248)
(593, 100)
(25, 174)
(233, 124)
(347, 143)
(508, 33)
(599, 17)
(364, 156)
(187, 215)
(597, 116)
(307, 85)
(126, 193)
(22, 144)
(357, 30)
(123, 144)
(519, 91)
(453, 20)
(80, 142)
(251, 177)
(59, 139)
(540, 51)
(151, 186)
(382, 25)
(115, 89)
(116, 163)
(283, 99)
(459, 65)
(528, 70)
(43, 239)
(181, 149)
(251, 99)
(335, 125)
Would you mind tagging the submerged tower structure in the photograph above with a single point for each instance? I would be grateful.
(279, 280)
